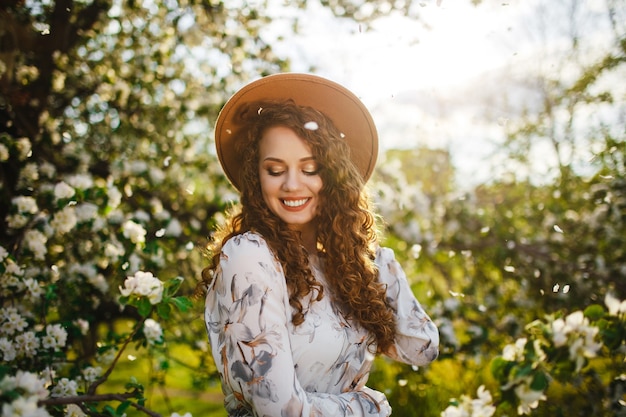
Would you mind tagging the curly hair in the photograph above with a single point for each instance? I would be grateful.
(346, 227)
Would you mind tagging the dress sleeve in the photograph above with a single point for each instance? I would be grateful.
(417, 339)
(249, 314)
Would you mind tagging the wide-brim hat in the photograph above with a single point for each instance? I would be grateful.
(347, 112)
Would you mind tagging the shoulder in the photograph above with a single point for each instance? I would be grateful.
(248, 253)
(246, 244)
(389, 268)
(384, 256)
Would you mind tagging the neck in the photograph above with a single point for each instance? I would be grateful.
(308, 237)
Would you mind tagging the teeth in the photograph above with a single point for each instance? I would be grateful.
(295, 203)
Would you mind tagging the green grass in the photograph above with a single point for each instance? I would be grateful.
(168, 382)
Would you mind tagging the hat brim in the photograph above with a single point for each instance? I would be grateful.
(344, 108)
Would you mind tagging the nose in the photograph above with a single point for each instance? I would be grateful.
(292, 181)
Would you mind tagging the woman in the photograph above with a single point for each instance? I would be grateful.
(300, 297)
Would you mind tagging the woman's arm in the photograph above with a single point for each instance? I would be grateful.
(247, 317)
(417, 340)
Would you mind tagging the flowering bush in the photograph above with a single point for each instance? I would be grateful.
(67, 238)
(482, 406)
(563, 349)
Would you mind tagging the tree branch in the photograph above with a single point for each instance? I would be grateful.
(79, 399)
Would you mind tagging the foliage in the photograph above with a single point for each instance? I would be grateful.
(108, 187)
(517, 269)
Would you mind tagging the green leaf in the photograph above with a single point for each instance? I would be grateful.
(108, 410)
(500, 368)
(121, 409)
(51, 292)
(172, 286)
(182, 303)
(144, 307)
(539, 382)
(163, 310)
(612, 333)
(595, 312)
(524, 371)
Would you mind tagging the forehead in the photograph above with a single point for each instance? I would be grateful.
(281, 142)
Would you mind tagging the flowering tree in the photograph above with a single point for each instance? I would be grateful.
(108, 186)
(524, 275)
(107, 189)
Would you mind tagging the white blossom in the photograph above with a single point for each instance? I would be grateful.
(156, 175)
(113, 251)
(47, 170)
(16, 221)
(615, 306)
(55, 337)
(28, 174)
(529, 398)
(514, 352)
(174, 228)
(27, 344)
(36, 242)
(13, 323)
(142, 216)
(133, 231)
(62, 191)
(143, 284)
(99, 282)
(153, 331)
(73, 410)
(134, 263)
(4, 153)
(64, 388)
(91, 374)
(13, 269)
(24, 407)
(7, 349)
(80, 181)
(34, 289)
(31, 384)
(576, 332)
(24, 148)
(83, 326)
(481, 406)
(86, 270)
(25, 204)
(454, 411)
(86, 212)
(106, 357)
(64, 220)
(137, 167)
(114, 195)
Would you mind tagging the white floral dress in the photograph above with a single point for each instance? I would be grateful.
(271, 368)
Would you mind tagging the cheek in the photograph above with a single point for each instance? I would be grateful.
(268, 186)
(317, 185)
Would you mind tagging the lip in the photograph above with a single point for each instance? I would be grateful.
(295, 204)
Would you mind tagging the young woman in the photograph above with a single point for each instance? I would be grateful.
(299, 295)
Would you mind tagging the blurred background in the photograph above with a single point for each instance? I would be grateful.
(501, 181)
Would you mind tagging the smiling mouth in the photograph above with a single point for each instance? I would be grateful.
(295, 203)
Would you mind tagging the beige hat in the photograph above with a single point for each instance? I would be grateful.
(339, 104)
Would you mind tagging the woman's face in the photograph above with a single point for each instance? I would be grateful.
(289, 178)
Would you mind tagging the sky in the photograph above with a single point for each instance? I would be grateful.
(414, 75)
(440, 81)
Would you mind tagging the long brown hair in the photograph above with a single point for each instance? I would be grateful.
(346, 227)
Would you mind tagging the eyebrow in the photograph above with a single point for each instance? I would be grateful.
(305, 159)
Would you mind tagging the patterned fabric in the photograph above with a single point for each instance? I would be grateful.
(269, 367)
